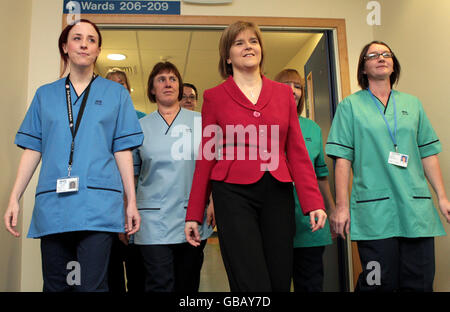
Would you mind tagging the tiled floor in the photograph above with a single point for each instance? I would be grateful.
(213, 276)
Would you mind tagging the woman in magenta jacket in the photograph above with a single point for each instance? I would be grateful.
(252, 151)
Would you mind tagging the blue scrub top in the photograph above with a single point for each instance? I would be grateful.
(109, 125)
(165, 165)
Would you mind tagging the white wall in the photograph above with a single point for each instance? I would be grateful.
(14, 18)
(418, 32)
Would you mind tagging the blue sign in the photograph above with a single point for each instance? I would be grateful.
(121, 7)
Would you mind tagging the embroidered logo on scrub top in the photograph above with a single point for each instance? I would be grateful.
(98, 102)
(308, 139)
(404, 112)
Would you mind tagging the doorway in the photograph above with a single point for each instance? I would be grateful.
(191, 43)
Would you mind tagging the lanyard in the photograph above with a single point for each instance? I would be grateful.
(70, 116)
(378, 105)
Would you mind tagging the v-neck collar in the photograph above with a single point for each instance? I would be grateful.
(84, 91)
(387, 103)
(235, 92)
(169, 126)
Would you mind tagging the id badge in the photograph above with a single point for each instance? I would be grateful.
(398, 159)
(66, 185)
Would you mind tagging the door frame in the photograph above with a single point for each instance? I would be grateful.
(336, 25)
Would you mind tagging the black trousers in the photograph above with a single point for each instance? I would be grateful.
(308, 269)
(256, 226)
(174, 267)
(134, 266)
(76, 261)
(402, 264)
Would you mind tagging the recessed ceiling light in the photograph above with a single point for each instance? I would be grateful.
(116, 57)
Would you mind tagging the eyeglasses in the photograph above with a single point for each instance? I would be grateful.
(190, 97)
(376, 55)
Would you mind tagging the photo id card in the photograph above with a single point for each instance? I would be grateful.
(65, 185)
(398, 159)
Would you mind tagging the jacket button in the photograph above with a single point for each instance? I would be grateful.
(256, 114)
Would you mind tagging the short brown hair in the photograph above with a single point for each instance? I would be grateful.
(290, 74)
(159, 68)
(226, 41)
(363, 81)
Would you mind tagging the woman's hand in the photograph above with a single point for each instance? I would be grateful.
(191, 232)
(321, 217)
(210, 216)
(132, 219)
(340, 222)
(11, 216)
(444, 206)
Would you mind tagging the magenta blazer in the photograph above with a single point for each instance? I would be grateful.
(255, 139)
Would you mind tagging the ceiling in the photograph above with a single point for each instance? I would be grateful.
(194, 52)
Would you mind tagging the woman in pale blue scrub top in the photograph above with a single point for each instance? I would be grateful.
(386, 138)
(83, 127)
(309, 246)
(164, 166)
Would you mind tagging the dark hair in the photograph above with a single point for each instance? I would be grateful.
(293, 75)
(190, 85)
(363, 81)
(65, 34)
(226, 41)
(159, 68)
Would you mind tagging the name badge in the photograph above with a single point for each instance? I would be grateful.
(398, 159)
(66, 185)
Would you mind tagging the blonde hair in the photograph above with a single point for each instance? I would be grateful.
(121, 74)
(292, 75)
(226, 41)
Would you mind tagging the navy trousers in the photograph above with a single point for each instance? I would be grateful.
(402, 264)
(76, 261)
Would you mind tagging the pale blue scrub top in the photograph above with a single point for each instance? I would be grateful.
(386, 200)
(165, 165)
(109, 125)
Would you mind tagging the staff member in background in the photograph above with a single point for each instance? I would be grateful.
(78, 223)
(120, 76)
(253, 200)
(393, 218)
(123, 249)
(190, 96)
(309, 246)
(164, 166)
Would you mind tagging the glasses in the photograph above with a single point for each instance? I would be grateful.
(190, 97)
(376, 55)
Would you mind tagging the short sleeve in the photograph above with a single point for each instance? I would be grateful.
(128, 133)
(30, 132)
(320, 167)
(340, 142)
(427, 139)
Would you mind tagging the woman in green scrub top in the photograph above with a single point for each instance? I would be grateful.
(309, 246)
(386, 138)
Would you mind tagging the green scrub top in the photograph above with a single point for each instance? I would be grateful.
(386, 200)
(303, 235)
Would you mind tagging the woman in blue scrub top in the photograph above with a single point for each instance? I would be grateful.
(386, 138)
(309, 246)
(83, 177)
(164, 166)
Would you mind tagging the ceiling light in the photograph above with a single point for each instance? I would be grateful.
(116, 57)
